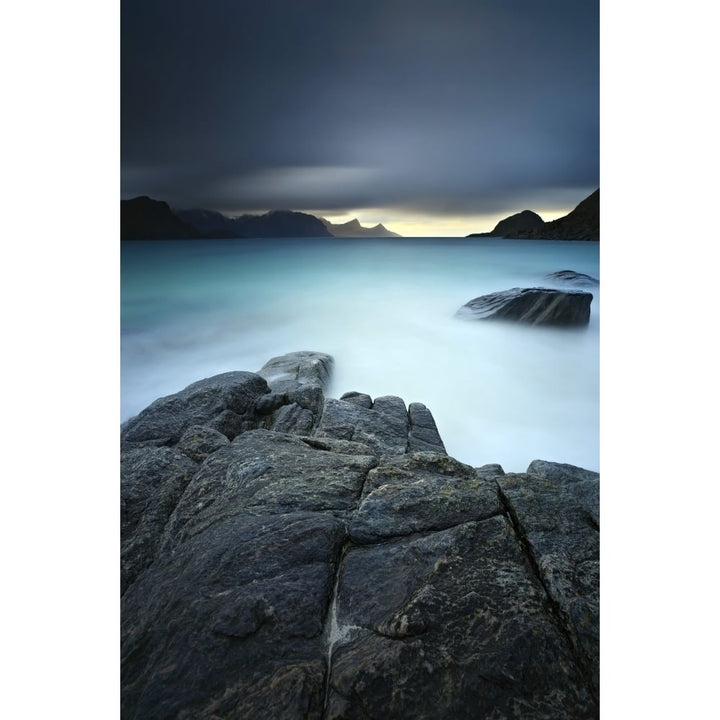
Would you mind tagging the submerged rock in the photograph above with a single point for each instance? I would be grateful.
(531, 306)
(570, 277)
(352, 570)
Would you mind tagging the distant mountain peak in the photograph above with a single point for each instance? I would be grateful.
(582, 223)
(142, 218)
(273, 223)
(145, 218)
(525, 220)
(353, 228)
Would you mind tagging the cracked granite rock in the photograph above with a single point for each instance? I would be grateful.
(320, 558)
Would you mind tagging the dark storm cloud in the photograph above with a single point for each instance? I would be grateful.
(448, 106)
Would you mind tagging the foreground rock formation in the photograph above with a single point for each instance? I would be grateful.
(289, 556)
(531, 306)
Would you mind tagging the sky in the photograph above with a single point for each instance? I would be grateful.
(434, 117)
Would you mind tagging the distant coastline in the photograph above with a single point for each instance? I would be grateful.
(143, 218)
(582, 223)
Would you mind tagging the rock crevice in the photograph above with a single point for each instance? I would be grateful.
(290, 555)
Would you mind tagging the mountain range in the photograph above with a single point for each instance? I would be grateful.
(143, 218)
(353, 228)
(582, 223)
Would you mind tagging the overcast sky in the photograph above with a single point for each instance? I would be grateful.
(421, 114)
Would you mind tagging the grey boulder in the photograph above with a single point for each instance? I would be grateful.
(290, 371)
(571, 277)
(224, 403)
(531, 306)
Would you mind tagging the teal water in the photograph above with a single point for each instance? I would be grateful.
(385, 310)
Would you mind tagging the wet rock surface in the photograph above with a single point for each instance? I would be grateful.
(288, 372)
(384, 427)
(452, 626)
(531, 306)
(224, 403)
(564, 548)
(346, 567)
(571, 277)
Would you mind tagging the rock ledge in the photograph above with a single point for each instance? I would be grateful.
(290, 556)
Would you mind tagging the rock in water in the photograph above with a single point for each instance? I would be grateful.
(346, 567)
(570, 277)
(532, 306)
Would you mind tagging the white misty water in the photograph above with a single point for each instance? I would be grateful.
(384, 309)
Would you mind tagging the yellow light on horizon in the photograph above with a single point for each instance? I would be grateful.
(410, 224)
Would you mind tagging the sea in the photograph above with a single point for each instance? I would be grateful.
(385, 310)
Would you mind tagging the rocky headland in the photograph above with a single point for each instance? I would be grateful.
(525, 220)
(143, 218)
(287, 555)
(582, 223)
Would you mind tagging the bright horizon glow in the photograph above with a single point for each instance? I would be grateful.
(418, 225)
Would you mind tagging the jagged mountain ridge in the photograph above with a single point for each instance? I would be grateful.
(143, 218)
(275, 223)
(353, 228)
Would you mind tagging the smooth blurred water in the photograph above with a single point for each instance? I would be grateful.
(385, 310)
